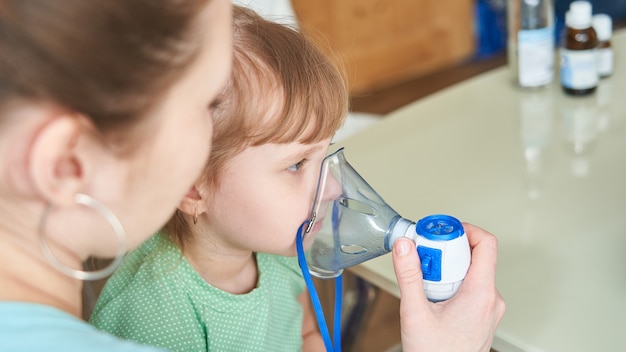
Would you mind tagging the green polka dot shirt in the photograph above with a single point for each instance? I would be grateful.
(157, 298)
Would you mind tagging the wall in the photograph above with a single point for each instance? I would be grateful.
(383, 42)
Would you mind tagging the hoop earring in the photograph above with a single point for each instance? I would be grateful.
(195, 216)
(91, 203)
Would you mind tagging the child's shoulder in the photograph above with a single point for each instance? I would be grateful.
(154, 259)
(153, 267)
(151, 277)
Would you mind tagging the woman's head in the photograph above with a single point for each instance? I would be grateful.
(111, 61)
(110, 99)
(282, 90)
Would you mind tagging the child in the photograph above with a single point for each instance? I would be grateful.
(223, 275)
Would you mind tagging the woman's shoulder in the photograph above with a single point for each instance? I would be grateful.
(34, 327)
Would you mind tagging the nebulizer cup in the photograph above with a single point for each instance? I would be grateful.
(350, 224)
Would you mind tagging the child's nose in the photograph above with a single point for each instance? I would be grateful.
(333, 188)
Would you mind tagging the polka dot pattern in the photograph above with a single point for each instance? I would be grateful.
(157, 298)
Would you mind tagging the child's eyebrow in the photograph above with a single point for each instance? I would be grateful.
(301, 154)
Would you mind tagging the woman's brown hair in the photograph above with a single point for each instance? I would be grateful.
(282, 90)
(111, 61)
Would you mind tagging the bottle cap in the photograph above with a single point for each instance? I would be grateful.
(531, 15)
(603, 25)
(579, 15)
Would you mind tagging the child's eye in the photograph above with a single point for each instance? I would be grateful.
(297, 166)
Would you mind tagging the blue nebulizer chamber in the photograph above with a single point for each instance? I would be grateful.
(350, 224)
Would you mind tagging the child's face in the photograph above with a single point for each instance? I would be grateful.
(266, 193)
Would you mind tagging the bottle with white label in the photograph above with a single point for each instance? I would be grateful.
(603, 25)
(579, 73)
(531, 42)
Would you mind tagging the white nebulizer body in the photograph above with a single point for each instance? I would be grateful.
(444, 253)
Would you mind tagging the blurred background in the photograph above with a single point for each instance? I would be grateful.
(396, 51)
(387, 44)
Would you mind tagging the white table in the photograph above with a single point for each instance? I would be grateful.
(544, 172)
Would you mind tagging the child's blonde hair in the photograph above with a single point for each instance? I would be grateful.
(282, 90)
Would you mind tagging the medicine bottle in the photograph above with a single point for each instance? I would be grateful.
(531, 42)
(603, 25)
(579, 73)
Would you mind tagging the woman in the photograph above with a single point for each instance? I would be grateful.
(101, 103)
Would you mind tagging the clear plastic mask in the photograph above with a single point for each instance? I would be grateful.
(350, 223)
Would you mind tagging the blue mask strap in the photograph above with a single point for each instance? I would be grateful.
(317, 305)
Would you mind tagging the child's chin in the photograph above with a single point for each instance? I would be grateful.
(308, 241)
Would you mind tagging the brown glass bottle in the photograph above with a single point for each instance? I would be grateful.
(579, 74)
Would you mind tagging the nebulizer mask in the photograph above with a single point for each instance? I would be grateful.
(350, 224)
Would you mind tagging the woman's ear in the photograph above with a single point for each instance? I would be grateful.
(193, 203)
(55, 164)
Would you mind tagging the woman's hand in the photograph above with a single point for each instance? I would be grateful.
(467, 321)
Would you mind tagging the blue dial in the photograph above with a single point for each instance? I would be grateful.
(439, 227)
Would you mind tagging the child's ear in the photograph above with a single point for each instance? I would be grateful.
(55, 164)
(193, 203)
